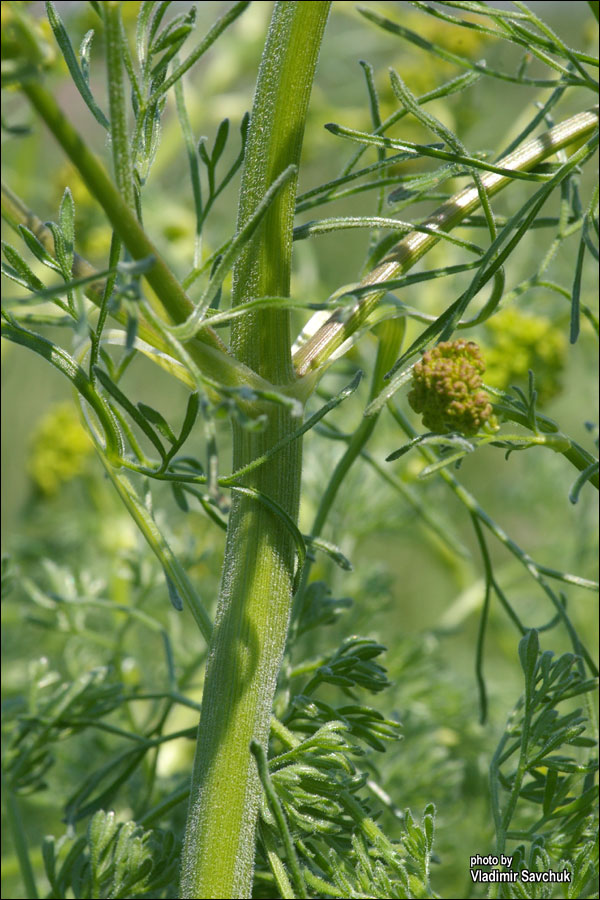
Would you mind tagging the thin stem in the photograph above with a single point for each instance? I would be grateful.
(214, 362)
(391, 334)
(95, 336)
(19, 838)
(157, 543)
(271, 851)
(173, 298)
(476, 510)
(279, 816)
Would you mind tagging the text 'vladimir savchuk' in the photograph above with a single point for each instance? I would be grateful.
(495, 875)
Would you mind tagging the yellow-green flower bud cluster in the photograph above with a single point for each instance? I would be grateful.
(60, 450)
(447, 389)
(519, 341)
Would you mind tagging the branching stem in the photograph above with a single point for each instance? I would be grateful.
(340, 326)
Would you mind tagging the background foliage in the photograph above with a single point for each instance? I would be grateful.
(86, 624)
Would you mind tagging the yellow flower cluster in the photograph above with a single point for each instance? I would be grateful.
(60, 449)
(516, 342)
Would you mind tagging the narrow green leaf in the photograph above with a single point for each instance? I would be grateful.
(115, 392)
(180, 498)
(102, 829)
(448, 56)
(159, 72)
(329, 186)
(155, 418)
(175, 32)
(212, 35)
(85, 49)
(581, 479)
(188, 137)
(49, 859)
(372, 91)
(141, 30)
(61, 252)
(61, 360)
(188, 328)
(38, 249)
(72, 859)
(432, 150)
(107, 780)
(203, 152)
(66, 222)
(191, 414)
(157, 19)
(428, 822)
(220, 141)
(131, 330)
(324, 226)
(26, 277)
(47, 293)
(576, 293)
(174, 597)
(529, 646)
(331, 550)
(160, 548)
(64, 42)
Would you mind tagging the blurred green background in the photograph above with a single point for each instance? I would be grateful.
(65, 534)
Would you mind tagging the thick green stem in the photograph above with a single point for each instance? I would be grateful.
(254, 604)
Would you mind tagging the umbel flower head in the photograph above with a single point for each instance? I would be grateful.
(517, 341)
(447, 389)
(60, 450)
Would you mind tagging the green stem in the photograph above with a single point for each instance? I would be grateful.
(209, 350)
(271, 851)
(17, 832)
(255, 598)
(159, 546)
(280, 819)
(577, 455)
(536, 572)
(413, 246)
(213, 362)
(390, 335)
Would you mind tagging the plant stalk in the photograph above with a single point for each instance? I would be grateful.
(212, 361)
(390, 335)
(208, 351)
(254, 604)
(17, 832)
